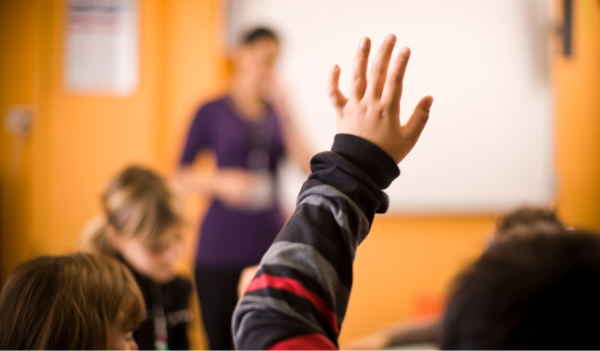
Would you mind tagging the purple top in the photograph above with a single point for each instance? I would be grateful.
(235, 238)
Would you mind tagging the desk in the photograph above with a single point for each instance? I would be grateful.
(416, 347)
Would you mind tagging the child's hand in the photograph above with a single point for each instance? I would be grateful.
(372, 110)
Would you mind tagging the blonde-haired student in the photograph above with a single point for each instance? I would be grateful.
(72, 302)
(141, 225)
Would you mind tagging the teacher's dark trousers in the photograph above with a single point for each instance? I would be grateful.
(217, 292)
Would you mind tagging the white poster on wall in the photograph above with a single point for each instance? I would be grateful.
(101, 47)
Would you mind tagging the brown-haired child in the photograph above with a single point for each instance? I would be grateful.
(72, 302)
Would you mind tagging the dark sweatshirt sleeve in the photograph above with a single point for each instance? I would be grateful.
(299, 296)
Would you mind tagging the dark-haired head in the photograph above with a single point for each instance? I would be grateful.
(259, 33)
(535, 291)
(526, 220)
(254, 61)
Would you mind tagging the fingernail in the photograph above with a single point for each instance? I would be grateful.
(334, 68)
(429, 102)
(390, 37)
(405, 50)
(364, 42)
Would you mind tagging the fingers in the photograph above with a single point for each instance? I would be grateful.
(337, 98)
(418, 120)
(393, 85)
(379, 70)
(359, 69)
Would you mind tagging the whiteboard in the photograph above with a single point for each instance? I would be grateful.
(488, 145)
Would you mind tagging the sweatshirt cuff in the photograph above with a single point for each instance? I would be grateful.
(368, 157)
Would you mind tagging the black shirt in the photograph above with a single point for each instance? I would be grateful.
(170, 300)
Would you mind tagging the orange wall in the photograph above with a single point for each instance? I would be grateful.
(577, 94)
(93, 137)
(195, 65)
(79, 142)
(407, 260)
(19, 35)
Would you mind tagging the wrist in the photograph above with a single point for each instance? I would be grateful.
(206, 183)
(370, 158)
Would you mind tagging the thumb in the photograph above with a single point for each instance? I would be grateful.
(418, 120)
(337, 98)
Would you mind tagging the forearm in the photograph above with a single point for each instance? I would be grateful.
(300, 293)
(202, 182)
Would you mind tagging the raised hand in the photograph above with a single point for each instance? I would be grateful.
(372, 111)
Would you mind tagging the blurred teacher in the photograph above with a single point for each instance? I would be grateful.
(249, 131)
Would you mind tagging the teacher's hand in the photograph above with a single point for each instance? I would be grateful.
(234, 186)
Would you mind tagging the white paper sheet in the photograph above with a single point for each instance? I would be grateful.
(101, 47)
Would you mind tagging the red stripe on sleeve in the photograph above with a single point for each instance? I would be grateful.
(313, 341)
(295, 287)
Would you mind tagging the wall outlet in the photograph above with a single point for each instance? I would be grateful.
(19, 119)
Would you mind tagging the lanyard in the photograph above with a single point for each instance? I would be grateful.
(261, 135)
(161, 338)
